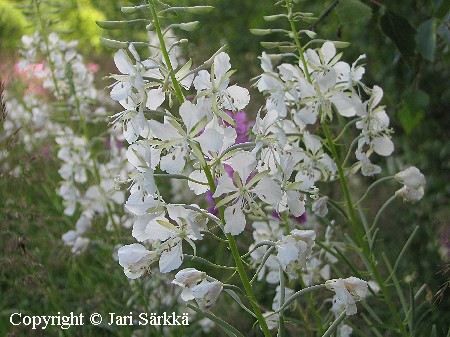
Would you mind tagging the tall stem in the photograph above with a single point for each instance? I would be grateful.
(238, 260)
(231, 242)
(175, 82)
(47, 48)
(355, 224)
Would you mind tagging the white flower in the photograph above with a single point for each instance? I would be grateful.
(345, 330)
(177, 139)
(187, 279)
(168, 237)
(216, 87)
(319, 207)
(134, 123)
(293, 250)
(242, 190)
(367, 168)
(348, 292)
(277, 299)
(374, 124)
(132, 74)
(197, 285)
(135, 260)
(414, 184)
(206, 293)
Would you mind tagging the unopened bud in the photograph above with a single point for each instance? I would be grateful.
(190, 26)
(199, 9)
(113, 43)
(260, 31)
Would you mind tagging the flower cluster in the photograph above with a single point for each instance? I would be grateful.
(67, 99)
(264, 184)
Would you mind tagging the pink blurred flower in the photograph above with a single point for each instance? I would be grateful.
(93, 67)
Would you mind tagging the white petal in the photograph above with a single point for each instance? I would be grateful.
(120, 91)
(164, 131)
(210, 140)
(131, 254)
(296, 203)
(238, 98)
(234, 220)
(383, 146)
(138, 205)
(139, 226)
(268, 190)
(221, 65)
(343, 104)
(312, 142)
(198, 188)
(202, 81)
(328, 51)
(156, 231)
(377, 95)
(244, 163)
(155, 97)
(190, 114)
(174, 161)
(224, 185)
(287, 251)
(172, 259)
(122, 62)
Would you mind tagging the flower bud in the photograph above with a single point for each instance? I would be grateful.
(189, 26)
(113, 43)
(260, 31)
(199, 9)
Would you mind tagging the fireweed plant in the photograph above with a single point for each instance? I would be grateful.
(182, 122)
(67, 100)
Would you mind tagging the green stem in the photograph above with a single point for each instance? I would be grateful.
(359, 235)
(348, 201)
(334, 325)
(297, 40)
(376, 183)
(381, 210)
(281, 328)
(175, 82)
(238, 260)
(47, 49)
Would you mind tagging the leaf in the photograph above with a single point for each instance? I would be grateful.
(400, 31)
(353, 11)
(226, 327)
(426, 39)
(413, 109)
(236, 298)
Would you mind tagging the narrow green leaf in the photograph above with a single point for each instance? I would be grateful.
(236, 298)
(433, 331)
(226, 327)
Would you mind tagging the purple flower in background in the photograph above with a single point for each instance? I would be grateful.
(300, 219)
(242, 127)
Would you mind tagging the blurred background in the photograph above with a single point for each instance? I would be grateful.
(407, 48)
